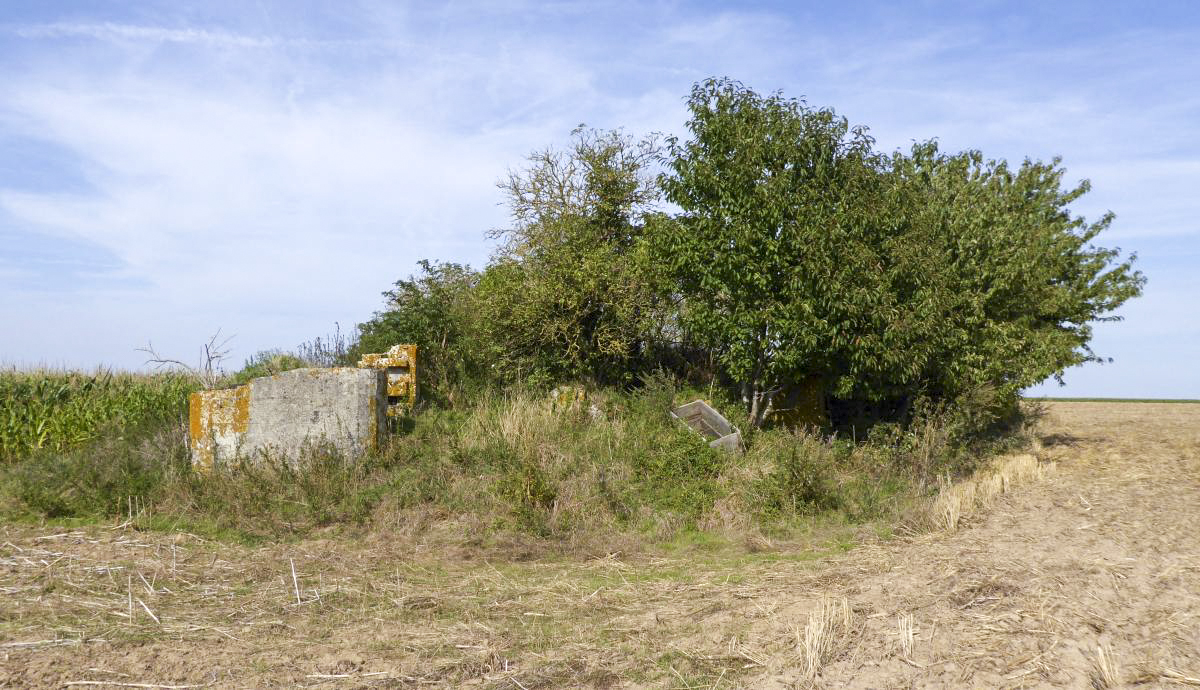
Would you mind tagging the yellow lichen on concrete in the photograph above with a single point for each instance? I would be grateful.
(400, 363)
(396, 356)
(213, 415)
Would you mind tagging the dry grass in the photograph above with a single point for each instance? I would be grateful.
(904, 625)
(191, 608)
(826, 634)
(1177, 677)
(957, 501)
(1105, 672)
(1088, 576)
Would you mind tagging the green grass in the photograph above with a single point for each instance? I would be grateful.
(513, 471)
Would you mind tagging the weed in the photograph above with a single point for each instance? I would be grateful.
(800, 480)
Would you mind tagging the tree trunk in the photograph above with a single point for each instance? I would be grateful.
(761, 403)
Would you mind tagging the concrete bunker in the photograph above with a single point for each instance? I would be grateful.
(283, 415)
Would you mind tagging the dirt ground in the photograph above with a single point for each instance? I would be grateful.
(1084, 571)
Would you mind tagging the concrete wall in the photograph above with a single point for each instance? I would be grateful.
(279, 415)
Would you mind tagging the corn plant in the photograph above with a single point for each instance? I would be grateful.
(56, 410)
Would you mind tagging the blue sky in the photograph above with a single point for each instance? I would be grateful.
(268, 168)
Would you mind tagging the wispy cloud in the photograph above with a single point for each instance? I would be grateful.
(233, 184)
(271, 171)
(112, 32)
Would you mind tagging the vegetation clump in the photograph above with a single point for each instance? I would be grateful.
(900, 283)
(774, 248)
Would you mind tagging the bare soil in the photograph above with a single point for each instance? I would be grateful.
(1086, 577)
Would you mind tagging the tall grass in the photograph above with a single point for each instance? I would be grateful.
(56, 410)
(608, 465)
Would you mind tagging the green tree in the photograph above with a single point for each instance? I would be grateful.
(802, 252)
(570, 292)
(1009, 277)
(435, 311)
(773, 253)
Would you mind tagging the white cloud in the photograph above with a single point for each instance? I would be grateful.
(273, 189)
(109, 31)
(274, 176)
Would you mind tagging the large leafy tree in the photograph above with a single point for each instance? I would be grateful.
(774, 253)
(801, 252)
(1008, 275)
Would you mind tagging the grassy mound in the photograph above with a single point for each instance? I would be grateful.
(605, 466)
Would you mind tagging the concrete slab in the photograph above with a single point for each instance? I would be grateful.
(281, 415)
(710, 424)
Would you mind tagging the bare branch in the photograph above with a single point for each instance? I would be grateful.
(208, 372)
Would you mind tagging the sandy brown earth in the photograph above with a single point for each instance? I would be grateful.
(1084, 571)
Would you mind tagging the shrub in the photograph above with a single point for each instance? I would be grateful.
(101, 479)
(267, 363)
(799, 481)
(571, 293)
(436, 311)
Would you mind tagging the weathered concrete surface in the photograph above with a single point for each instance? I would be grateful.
(280, 415)
(710, 424)
(400, 363)
(217, 422)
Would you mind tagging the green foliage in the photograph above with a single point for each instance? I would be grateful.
(803, 252)
(271, 497)
(678, 474)
(772, 253)
(524, 486)
(599, 466)
(267, 363)
(436, 311)
(554, 468)
(801, 256)
(1001, 280)
(328, 351)
(97, 480)
(571, 294)
(49, 410)
(799, 481)
(331, 350)
(148, 474)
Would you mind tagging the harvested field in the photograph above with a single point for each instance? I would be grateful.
(1079, 569)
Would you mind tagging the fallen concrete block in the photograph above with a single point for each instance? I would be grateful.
(709, 423)
(282, 415)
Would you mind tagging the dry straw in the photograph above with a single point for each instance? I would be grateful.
(825, 635)
(1105, 672)
(956, 501)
